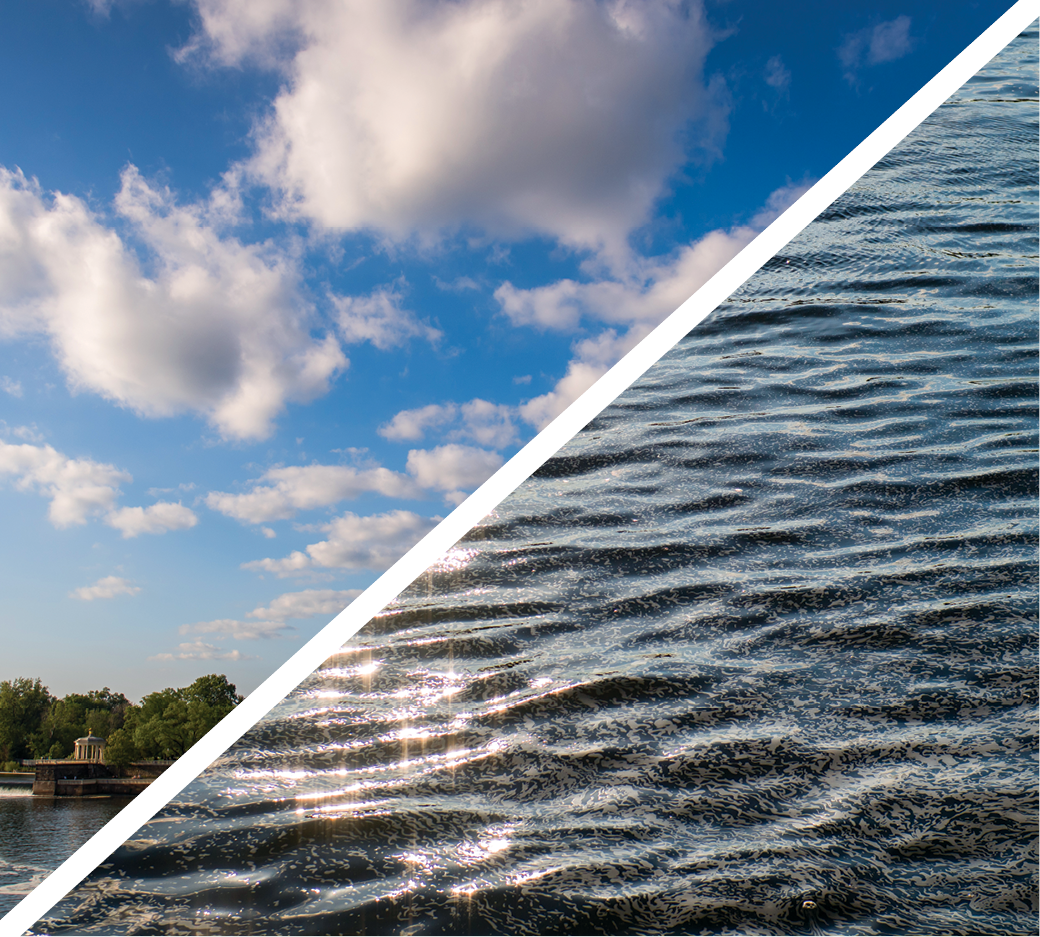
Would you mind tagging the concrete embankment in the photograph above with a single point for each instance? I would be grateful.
(91, 779)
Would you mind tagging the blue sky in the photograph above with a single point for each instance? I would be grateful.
(280, 282)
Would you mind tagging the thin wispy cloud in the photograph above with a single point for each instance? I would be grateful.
(874, 45)
(270, 621)
(777, 75)
(200, 650)
(106, 588)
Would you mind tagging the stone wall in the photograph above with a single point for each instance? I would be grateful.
(90, 778)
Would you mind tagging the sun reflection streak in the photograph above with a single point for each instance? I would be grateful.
(454, 560)
(410, 770)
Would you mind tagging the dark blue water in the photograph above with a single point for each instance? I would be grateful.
(755, 653)
(38, 834)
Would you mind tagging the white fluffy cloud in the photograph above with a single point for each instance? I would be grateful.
(414, 424)
(648, 291)
(452, 467)
(154, 519)
(644, 291)
(356, 543)
(593, 358)
(218, 327)
(486, 423)
(564, 117)
(380, 318)
(77, 488)
(107, 588)
(81, 488)
(480, 421)
(285, 491)
(305, 604)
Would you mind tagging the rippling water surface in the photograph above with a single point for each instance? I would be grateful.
(38, 834)
(755, 653)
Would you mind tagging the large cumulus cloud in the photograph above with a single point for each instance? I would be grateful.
(216, 326)
(561, 117)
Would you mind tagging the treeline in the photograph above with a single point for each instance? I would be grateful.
(35, 724)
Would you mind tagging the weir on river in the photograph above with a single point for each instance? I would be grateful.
(83, 778)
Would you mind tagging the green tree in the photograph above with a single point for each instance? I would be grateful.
(23, 704)
(214, 690)
(154, 703)
(62, 725)
(171, 721)
(121, 748)
(165, 725)
(209, 699)
(75, 715)
(151, 735)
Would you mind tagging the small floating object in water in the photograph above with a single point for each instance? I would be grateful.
(809, 904)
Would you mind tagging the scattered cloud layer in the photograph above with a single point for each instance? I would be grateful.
(270, 621)
(80, 489)
(285, 491)
(107, 588)
(409, 120)
(354, 543)
(563, 117)
(200, 650)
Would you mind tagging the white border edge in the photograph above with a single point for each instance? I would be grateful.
(484, 500)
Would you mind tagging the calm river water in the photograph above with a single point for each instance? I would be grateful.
(36, 836)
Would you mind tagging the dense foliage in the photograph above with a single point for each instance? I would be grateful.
(34, 724)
